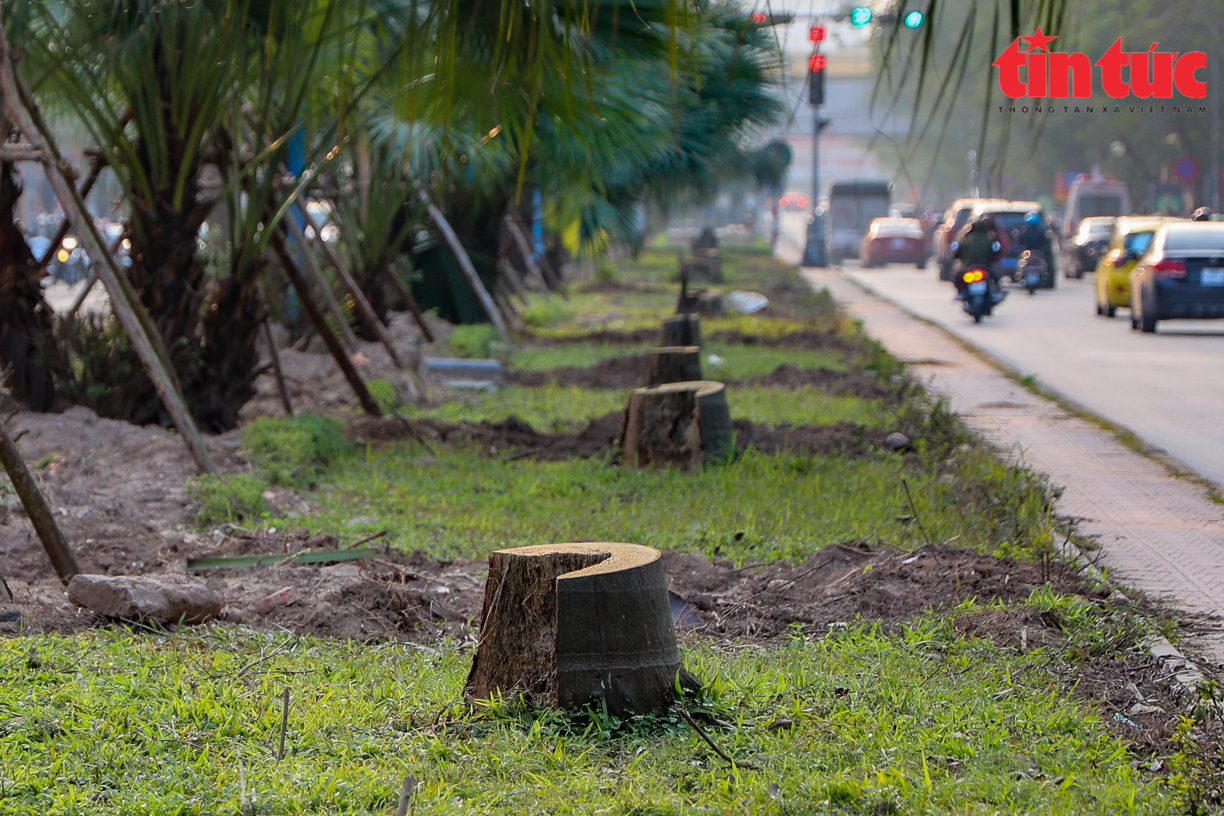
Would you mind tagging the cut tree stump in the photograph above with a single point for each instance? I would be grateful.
(572, 625)
(672, 364)
(682, 330)
(677, 424)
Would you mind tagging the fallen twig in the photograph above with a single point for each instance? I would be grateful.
(280, 751)
(917, 518)
(701, 732)
(405, 796)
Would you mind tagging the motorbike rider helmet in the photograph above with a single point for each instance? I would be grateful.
(1032, 218)
(982, 222)
(1201, 214)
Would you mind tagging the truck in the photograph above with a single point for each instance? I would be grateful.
(1092, 196)
(852, 206)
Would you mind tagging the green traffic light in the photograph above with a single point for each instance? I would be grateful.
(914, 19)
(860, 16)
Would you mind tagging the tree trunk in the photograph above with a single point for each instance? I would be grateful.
(677, 424)
(682, 330)
(573, 625)
(27, 345)
(672, 364)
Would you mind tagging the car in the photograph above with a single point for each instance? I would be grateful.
(1090, 242)
(941, 242)
(894, 240)
(1009, 221)
(1130, 239)
(1180, 276)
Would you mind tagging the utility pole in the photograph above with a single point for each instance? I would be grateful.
(814, 253)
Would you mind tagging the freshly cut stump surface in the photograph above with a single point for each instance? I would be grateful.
(673, 364)
(571, 625)
(677, 424)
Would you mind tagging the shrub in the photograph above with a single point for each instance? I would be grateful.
(227, 498)
(295, 450)
(384, 393)
(472, 341)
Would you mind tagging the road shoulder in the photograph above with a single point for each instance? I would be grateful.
(1159, 534)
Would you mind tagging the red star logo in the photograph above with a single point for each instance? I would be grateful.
(1039, 41)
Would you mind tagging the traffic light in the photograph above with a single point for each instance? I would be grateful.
(860, 16)
(816, 79)
(913, 19)
(817, 33)
(762, 19)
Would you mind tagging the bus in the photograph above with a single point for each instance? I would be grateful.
(1093, 196)
(852, 207)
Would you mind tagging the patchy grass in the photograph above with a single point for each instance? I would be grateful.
(925, 721)
(227, 498)
(295, 450)
(738, 361)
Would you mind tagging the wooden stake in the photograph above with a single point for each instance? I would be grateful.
(310, 271)
(364, 309)
(368, 403)
(465, 263)
(125, 302)
(36, 508)
(276, 368)
(524, 248)
(406, 295)
(95, 169)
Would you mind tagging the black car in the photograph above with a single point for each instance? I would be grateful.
(1089, 245)
(1181, 276)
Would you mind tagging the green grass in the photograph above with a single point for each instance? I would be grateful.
(461, 503)
(923, 722)
(738, 361)
(557, 408)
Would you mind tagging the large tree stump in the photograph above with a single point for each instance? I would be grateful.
(672, 364)
(572, 625)
(682, 330)
(677, 424)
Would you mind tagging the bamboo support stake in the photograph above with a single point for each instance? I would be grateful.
(36, 508)
(465, 263)
(276, 368)
(406, 295)
(524, 248)
(368, 403)
(95, 170)
(125, 303)
(313, 273)
(514, 282)
(363, 304)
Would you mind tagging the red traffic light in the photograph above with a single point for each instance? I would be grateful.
(817, 33)
(817, 63)
(760, 18)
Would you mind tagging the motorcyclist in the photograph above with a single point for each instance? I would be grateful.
(978, 245)
(1034, 235)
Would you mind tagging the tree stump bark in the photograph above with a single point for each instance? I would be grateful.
(677, 424)
(572, 625)
(672, 364)
(682, 330)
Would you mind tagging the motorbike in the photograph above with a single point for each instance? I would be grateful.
(978, 292)
(1034, 272)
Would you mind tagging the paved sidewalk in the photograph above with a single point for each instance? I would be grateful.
(1158, 533)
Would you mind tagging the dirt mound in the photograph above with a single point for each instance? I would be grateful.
(615, 372)
(805, 339)
(832, 587)
(858, 383)
(601, 434)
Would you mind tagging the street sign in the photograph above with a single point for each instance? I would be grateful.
(1186, 168)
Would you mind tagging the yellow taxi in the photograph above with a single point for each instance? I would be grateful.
(1129, 241)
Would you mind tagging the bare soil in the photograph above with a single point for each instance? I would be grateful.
(804, 338)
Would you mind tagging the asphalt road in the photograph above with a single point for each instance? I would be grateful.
(1168, 387)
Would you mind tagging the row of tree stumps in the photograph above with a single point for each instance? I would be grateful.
(573, 625)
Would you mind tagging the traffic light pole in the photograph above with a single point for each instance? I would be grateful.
(814, 252)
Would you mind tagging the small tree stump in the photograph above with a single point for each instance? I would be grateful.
(678, 424)
(710, 304)
(572, 625)
(672, 364)
(682, 330)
